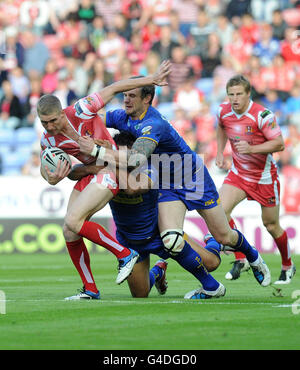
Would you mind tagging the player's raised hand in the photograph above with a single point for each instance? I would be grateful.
(159, 77)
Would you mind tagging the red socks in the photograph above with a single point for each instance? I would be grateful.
(97, 234)
(80, 255)
(284, 249)
(81, 260)
(282, 245)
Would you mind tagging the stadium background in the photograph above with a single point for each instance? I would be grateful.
(76, 47)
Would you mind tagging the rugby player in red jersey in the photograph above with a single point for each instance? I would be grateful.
(254, 135)
(63, 128)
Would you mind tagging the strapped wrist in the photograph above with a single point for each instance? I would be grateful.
(98, 152)
(101, 152)
(95, 151)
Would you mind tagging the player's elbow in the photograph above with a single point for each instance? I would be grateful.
(281, 147)
(80, 170)
(73, 176)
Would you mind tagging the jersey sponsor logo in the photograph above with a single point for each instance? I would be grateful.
(78, 109)
(235, 139)
(212, 201)
(107, 181)
(89, 100)
(128, 199)
(272, 123)
(88, 133)
(136, 127)
(146, 130)
(265, 113)
(271, 200)
(249, 130)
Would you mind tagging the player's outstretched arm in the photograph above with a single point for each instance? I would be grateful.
(81, 170)
(158, 78)
(137, 155)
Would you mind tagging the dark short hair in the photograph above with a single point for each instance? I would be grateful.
(146, 90)
(239, 80)
(124, 138)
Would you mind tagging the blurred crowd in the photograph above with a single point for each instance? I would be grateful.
(75, 47)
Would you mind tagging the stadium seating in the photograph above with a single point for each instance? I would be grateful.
(12, 162)
(205, 85)
(7, 137)
(15, 148)
(167, 110)
(25, 136)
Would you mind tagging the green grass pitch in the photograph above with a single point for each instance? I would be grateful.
(37, 317)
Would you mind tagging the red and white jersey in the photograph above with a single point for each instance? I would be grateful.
(256, 125)
(84, 120)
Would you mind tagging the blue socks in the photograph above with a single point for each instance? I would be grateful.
(214, 247)
(191, 261)
(244, 247)
(155, 273)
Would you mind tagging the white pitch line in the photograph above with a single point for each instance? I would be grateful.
(287, 305)
(138, 302)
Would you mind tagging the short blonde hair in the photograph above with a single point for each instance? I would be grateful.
(48, 104)
(239, 80)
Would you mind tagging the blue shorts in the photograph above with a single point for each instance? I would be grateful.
(204, 197)
(154, 246)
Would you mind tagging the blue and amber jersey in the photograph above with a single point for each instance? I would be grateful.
(151, 125)
(173, 152)
(136, 215)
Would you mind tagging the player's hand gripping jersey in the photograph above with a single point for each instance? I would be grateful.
(255, 126)
(83, 118)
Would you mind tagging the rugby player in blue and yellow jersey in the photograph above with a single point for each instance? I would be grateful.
(135, 213)
(184, 184)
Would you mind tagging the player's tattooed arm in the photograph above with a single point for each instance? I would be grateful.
(141, 149)
(81, 170)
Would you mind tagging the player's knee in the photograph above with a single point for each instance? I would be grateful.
(173, 240)
(69, 235)
(212, 263)
(271, 227)
(228, 238)
(139, 294)
(72, 223)
(138, 290)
